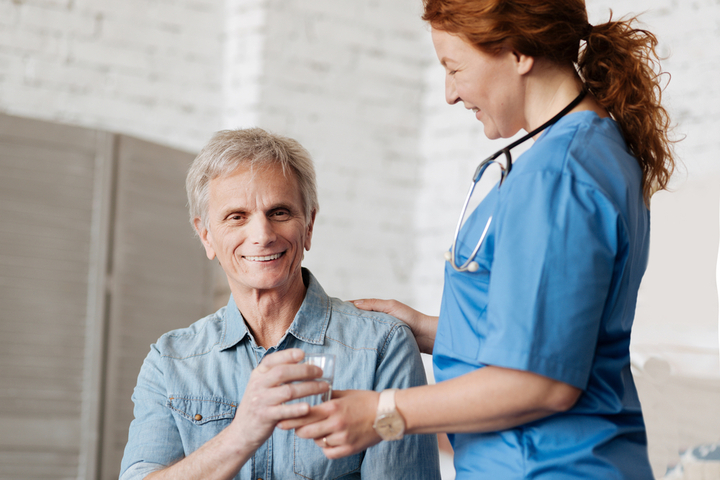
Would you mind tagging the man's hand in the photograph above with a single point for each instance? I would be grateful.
(341, 427)
(271, 385)
(262, 407)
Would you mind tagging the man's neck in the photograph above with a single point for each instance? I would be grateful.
(270, 313)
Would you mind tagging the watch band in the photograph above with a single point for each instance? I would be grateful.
(386, 403)
(389, 424)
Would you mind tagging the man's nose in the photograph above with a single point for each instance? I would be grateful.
(261, 230)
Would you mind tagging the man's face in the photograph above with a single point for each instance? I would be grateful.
(256, 227)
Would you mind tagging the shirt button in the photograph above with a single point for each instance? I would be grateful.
(198, 417)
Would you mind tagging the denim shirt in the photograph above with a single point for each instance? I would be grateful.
(193, 379)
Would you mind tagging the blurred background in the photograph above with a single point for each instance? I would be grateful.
(103, 105)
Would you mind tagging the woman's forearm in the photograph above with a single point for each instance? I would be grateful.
(488, 399)
(485, 400)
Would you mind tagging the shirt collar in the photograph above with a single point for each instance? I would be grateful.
(309, 325)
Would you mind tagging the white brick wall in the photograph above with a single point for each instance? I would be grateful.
(148, 68)
(243, 61)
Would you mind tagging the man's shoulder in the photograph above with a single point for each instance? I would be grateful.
(197, 339)
(348, 311)
(363, 328)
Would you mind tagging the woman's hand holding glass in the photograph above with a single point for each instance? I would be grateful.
(341, 427)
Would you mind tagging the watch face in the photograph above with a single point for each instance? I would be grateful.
(389, 426)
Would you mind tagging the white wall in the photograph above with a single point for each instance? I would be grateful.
(150, 68)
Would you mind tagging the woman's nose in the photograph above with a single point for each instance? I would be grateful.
(451, 95)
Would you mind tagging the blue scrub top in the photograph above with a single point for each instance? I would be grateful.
(555, 295)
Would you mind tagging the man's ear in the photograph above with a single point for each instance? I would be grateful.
(310, 226)
(205, 237)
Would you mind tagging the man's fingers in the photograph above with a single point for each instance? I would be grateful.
(284, 373)
(293, 391)
(281, 374)
(291, 355)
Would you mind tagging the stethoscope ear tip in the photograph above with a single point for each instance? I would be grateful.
(473, 267)
(448, 256)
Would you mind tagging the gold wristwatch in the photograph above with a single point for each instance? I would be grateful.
(389, 424)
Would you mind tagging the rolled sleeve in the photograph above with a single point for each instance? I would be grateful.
(140, 470)
(153, 440)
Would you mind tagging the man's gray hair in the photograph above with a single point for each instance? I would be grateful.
(229, 149)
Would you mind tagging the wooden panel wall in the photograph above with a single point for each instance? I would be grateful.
(97, 259)
(46, 197)
(160, 276)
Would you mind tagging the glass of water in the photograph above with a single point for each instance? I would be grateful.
(326, 361)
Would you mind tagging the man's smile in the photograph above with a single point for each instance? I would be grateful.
(265, 258)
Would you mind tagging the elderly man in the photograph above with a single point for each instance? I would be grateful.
(209, 396)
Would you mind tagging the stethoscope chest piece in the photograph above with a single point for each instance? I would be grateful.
(472, 266)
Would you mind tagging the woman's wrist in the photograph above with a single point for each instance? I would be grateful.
(425, 336)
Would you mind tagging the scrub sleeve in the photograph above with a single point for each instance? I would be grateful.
(555, 245)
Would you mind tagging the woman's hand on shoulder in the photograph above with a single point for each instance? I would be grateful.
(423, 326)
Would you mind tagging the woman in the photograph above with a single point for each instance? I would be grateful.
(531, 346)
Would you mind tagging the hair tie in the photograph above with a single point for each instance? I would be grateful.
(586, 32)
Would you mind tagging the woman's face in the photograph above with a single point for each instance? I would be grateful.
(490, 85)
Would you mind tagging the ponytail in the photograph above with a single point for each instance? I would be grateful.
(620, 68)
(617, 62)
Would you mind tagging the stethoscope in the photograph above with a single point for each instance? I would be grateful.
(470, 264)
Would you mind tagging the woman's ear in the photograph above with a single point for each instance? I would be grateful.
(523, 62)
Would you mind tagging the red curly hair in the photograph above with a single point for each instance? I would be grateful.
(617, 62)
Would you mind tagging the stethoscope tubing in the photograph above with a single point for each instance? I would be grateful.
(470, 264)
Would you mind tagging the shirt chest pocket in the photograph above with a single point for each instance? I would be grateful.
(310, 463)
(200, 418)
